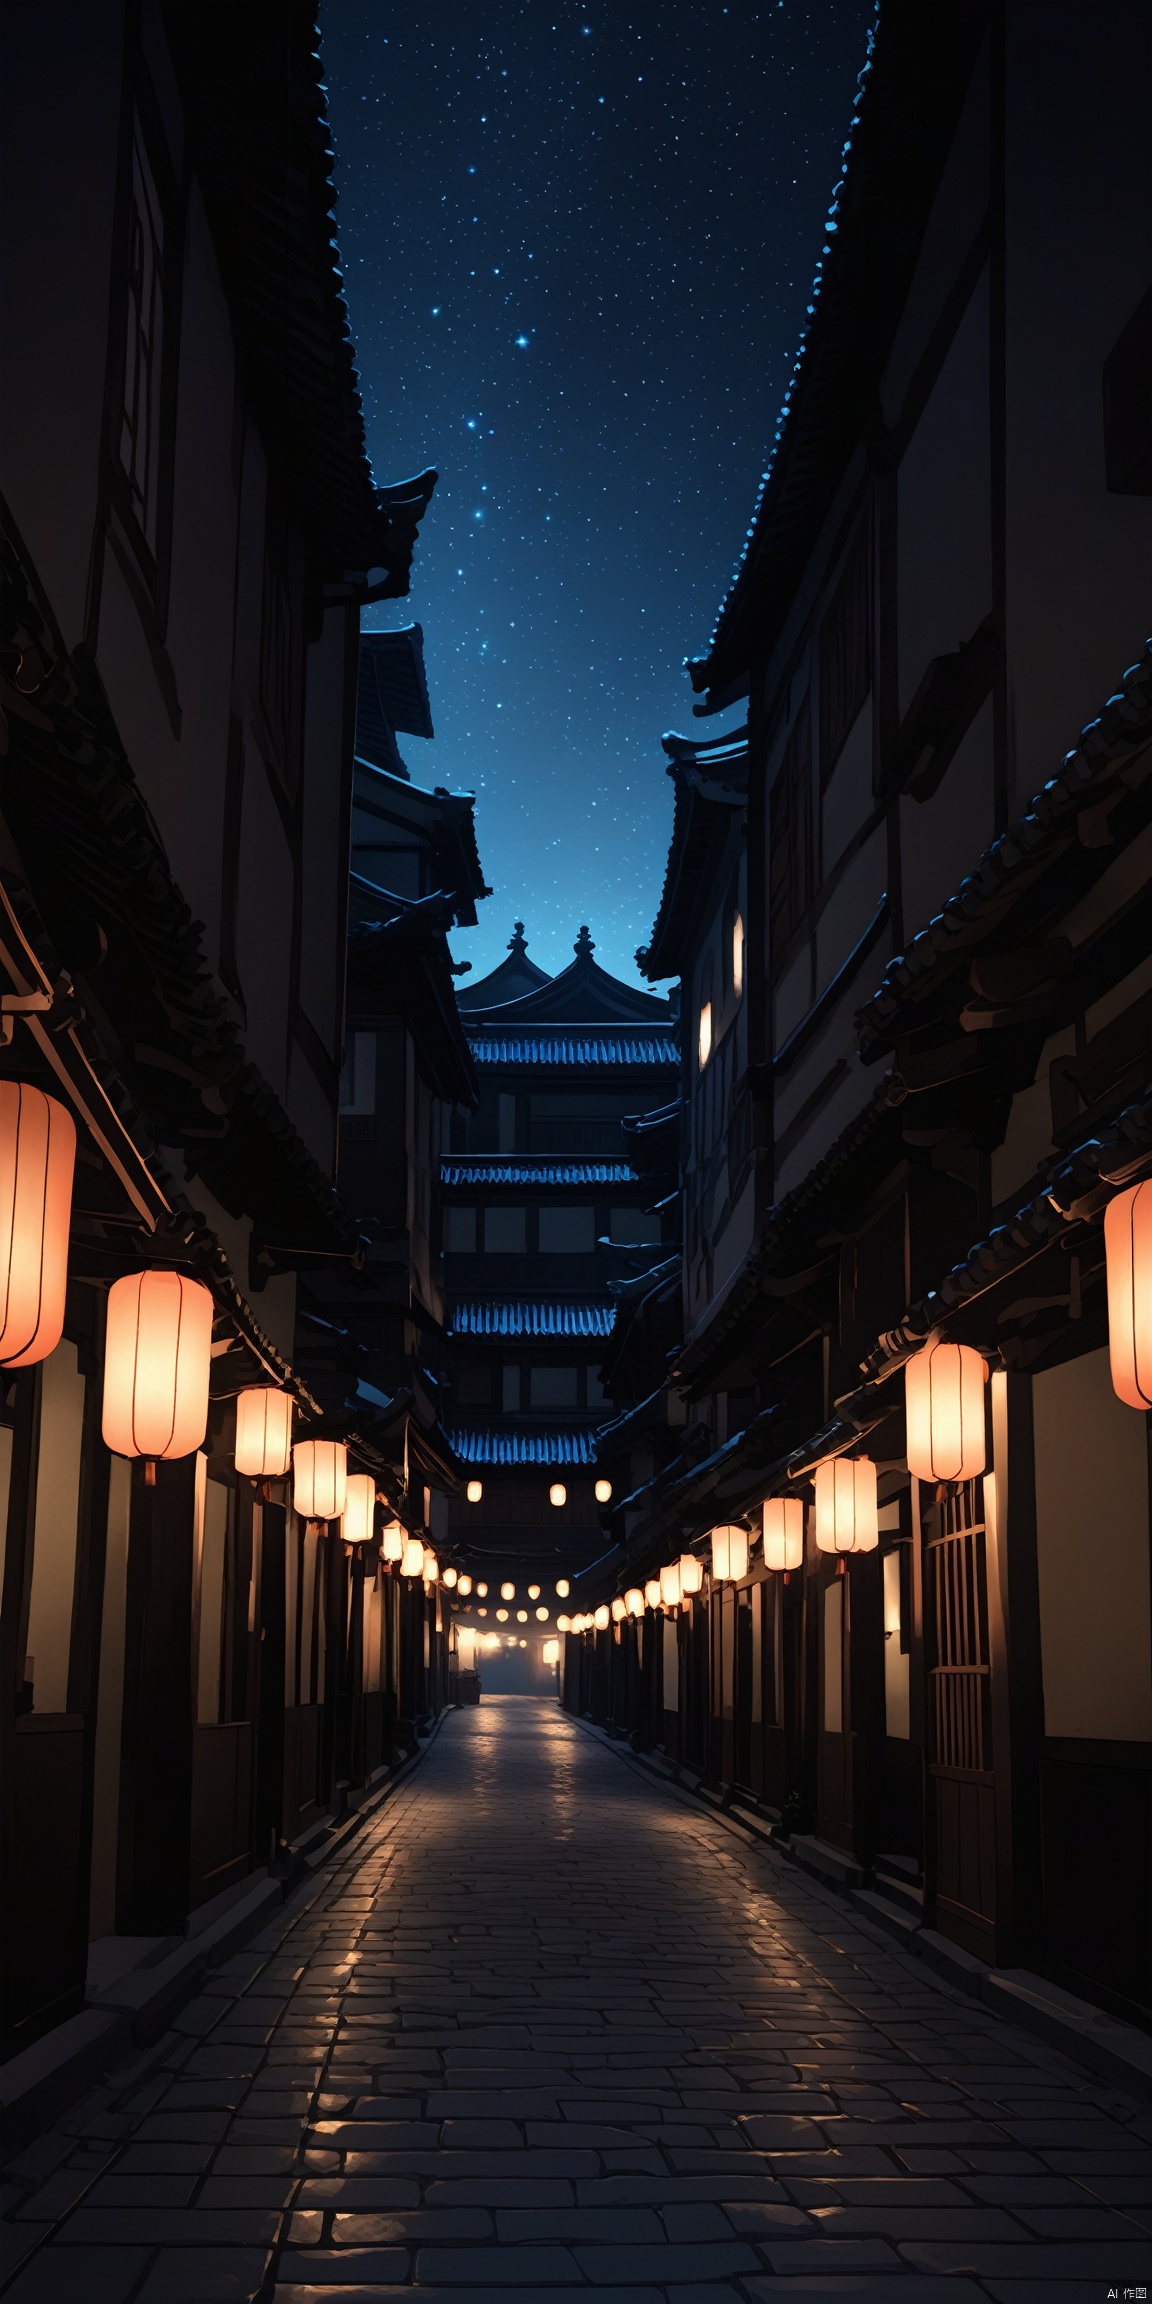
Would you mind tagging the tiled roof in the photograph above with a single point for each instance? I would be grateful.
(591, 1048)
(523, 1319)
(525, 1447)
(543, 1171)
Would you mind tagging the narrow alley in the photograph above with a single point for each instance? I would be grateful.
(550, 2027)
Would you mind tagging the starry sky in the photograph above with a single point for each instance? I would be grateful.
(578, 244)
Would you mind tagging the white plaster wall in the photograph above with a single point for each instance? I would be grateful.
(1092, 1554)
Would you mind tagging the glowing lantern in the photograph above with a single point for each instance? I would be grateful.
(263, 1433)
(670, 1585)
(507, 1591)
(359, 1508)
(541, 1615)
(563, 1623)
(603, 1491)
(481, 1611)
(619, 1611)
(783, 1532)
(533, 1591)
(691, 1574)
(704, 1039)
(392, 1542)
(944, 1406)
(450, 1578)
(501, 1615)
(37, 1157)
(157, 1362)
(1128, 1252)
(729, 1554)
(521, 1615)
(652, 1592)
(846, 1518)
(563, 1588)
(319, 1478)
(557, 1494)
(464, 1586)
(431, 1566)
(738, 956)
(602, 1619)
(482, 1591)
(412, 1557)
(551, 1652)
(634, 1601)
(474, 1491)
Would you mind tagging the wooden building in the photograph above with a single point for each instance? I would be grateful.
(947, 970)
(190, 529)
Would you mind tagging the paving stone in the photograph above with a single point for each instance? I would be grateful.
(82, 2276)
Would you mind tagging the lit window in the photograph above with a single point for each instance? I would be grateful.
(705, 1033)
(738, 956)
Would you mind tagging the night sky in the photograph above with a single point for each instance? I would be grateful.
(578, 245)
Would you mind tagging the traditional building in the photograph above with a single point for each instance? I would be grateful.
(947, 969)
(190, 529)
(543, 1210)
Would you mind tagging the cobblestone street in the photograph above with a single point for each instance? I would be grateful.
(548, 2027)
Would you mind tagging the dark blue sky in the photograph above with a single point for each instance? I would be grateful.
(578, 246)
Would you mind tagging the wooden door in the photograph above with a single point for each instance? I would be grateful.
(961, 1853)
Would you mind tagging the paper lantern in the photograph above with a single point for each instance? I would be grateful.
(392, 1542)
(846, 1518)
(482, 1591)
(359, 1508)
(563, 1588)
(464, 1586)
(263, 1433)
(563, 1623)
(557, 1494)
(691, 1574)
(652, 1592)
(729, 1554)
(521, 1615)
(603, 1491)
(602, 1619)
(319, 1478)
(474, 1491)
(619, 1611)
(783, 1533)
(37, 1157)
(670, 1585)
(157, 1362)
(541, 1615)
(1128, 1253)
(412, 1557)
(431, 1565)
(450, 1578)
(507, 1591)
(634, 1601)
(944, 1410)
(501, 1615)
(551, 1652)
(704, 1035)
(533, 1591)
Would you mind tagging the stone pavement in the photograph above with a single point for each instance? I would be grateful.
(549, 2027)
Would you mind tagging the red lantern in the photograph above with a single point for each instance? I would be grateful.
(37, 1157)
(157, 1363)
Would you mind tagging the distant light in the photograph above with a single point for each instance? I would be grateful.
(481, 1591)
(474, 1491)
(557, 1494)
(602, 1617)
(521, 1615)
(603, 1491)
(501, 1615)
(533, 1591)
(465, 1585)
(563, 1588)
(450, 1577)
(705, 1034)
(522, 343)
(551, 1652)
(541, 1615)
(507, 1591)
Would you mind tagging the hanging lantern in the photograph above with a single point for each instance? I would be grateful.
(521, 1615)
(563, 1588)
(783, 1533)
(157, 1362)
(944, 1407)
(602, 1618)
(533, 1591)
(619, 1611)
(846, 1519)
(652, 1592)
(1128, 1254)
(37, 1157)
(541, 1615)
(729, 1554)
(482, 1591)
(412, 1557)
(392, 1542)
(563, 1623)
(603, 1491)
(450, 1578)
(464, 1586)
(550, 1653)
(691, 1574)
(474, 1491)
(557, 1494)
(501, 1615)
(263, 1433)
(670, 1585)
(359, 1508)
(319, 1479)
(507, 1591)
(634, 1601)
(431, 1566)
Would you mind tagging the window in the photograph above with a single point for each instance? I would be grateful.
(790, 835)
(553, 1387)
(634, 1228)
(567, 1231)
(505, 1232)
(704, 1038)
(140, 414)
(460, 1231)
(510, 1390)
(738, 956)
(846, 653)
(358, 1078)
